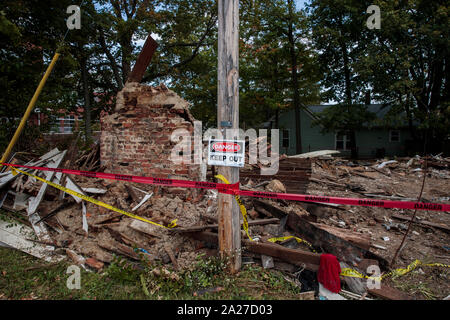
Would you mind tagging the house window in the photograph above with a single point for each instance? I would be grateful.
(394, 136)
(63, 125)
(341, 141)
(285, 139)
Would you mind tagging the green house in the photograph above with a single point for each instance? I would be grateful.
(373, 141)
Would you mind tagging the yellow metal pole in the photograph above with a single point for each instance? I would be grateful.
(29, 108)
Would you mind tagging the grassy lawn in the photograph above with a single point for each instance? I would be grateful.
(26, 277)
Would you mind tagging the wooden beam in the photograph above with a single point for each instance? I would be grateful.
(296, 257)
(344, 250)
(215, 226)
(422, 223)
(228, 118)
(143, 60)
(389, 293)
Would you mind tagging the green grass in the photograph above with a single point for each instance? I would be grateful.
(123, 280)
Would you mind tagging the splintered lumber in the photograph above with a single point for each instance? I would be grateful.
(296, 257)
(97, 253)
(55, 211)
(215, 226)
(120, 249)
(314, 154)
(48, 176)
(145, 228)
(344, 250)
(143, 60)
(422, 223)
(171, 255)
(94, 190)
(33, 216)
(132, 192)
(146, 197)
(389, 293)
(42, 160)
(264, 207)
(361, 240)
(16, 235)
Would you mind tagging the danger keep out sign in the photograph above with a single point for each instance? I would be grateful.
(229, 153)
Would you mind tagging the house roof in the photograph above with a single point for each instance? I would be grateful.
(379, 109)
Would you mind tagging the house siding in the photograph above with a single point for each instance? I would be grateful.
(368, 141)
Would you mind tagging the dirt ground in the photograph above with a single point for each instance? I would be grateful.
(427, 244)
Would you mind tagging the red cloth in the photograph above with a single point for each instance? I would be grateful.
(328, 274)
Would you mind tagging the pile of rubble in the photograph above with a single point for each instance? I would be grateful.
(55, 224)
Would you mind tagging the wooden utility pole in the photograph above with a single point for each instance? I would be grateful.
(228, 118)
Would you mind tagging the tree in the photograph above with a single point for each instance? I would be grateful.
(29, 39)
(407, 64)
(278, 64)
(338, 29)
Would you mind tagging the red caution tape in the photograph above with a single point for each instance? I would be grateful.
(137, 179)
(234, 190)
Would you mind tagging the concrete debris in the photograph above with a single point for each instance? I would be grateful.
(276, 186)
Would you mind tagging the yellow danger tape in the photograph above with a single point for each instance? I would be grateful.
(347, 272)
(94, 201)
(241, 206)
(299, 240)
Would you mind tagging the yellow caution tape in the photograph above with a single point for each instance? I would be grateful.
(94, 201)
(299, 240)
(347, 272)
(241, 206)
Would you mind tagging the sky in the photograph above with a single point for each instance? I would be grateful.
(300, 3)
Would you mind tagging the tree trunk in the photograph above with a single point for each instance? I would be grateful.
(87, 100)
(348, 99)
(298, 134)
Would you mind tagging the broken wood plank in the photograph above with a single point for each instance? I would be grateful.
(146, 197)
(16, 235)
(70, 184)
(422, 223)
(100, 220)
(76, 258)
(215, 226)
(94, 190)
(361, 240)
(132, 193)
(143, 60)
(344, 250)
(48, 176)
(42, 160)
(55, 211)
(314, 154)
(94, 263)
(169, 251)
(33, 216)
(268, 207)
(120, 249)
(389, 293)
(146, 228)
(296, 257)
(97, 253)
